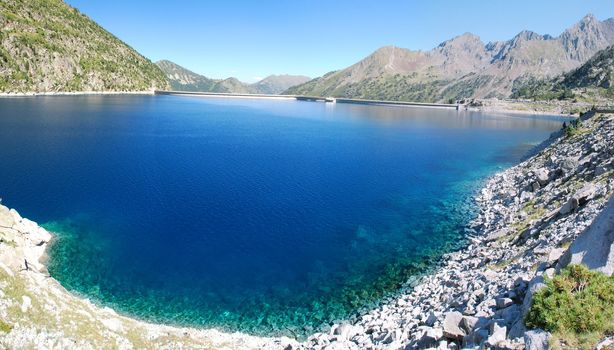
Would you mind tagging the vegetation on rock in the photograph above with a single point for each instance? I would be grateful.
(594, 78)
(47, 46)
(577, 306)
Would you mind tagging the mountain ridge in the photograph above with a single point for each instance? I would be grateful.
(183, 79)
(464, 66)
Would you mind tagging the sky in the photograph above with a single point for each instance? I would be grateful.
(253, 39)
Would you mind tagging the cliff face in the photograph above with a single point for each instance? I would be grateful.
(46, 46)
(464, 67)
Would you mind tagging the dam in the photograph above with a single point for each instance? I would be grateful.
(458, 107)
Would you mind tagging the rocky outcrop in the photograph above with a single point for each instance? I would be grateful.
(595, 246)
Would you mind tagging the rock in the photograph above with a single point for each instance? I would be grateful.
(113, 324)
(555, 254)
(431, 319)
(569, 206)
(549, 273)
(542, 176)
(569, 165)
(342, 331)
(496, 235)
(497, 334)
(536, 340)
(451, 325)
(518, 329)
(338, 346)
(605, 344)
(510, 314)
(468, 323)
(579, 198)
(536, 284)
(600, 170)
(595, 246)
(6, 219)
(504, 302)
(26, 303)
(430, 338)
(585, 193)
(475, 338)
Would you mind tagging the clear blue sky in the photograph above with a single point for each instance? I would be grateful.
(252, 39)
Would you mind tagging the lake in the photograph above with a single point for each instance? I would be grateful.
(270, 217)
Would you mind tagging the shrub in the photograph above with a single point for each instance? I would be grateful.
(5, 327)
(573, 127)
(577, 306)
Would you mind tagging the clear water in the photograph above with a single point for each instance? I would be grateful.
(269, 217)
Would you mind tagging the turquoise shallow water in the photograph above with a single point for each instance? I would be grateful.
(269, 217)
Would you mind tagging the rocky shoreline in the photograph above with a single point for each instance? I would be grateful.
(529, 217)
(510, 106)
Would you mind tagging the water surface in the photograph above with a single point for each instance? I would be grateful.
(269, 217)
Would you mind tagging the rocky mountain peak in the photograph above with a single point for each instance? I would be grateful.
(464, 40)
(463, 66)
(588, 20)
(586, 37)
(527, 35)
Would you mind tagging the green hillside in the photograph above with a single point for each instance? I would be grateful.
(46, 46)
(593, 79)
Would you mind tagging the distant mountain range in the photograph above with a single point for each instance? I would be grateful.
(464, 67)
(46, 45)
(182, 79)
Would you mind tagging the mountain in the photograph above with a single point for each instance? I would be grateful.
(276, 84)
(464, 67)
(597, 72)
(182, 79)
(46, 45)
(595, 78)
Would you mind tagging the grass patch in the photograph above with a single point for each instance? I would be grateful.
(577, 307)
(5, 327)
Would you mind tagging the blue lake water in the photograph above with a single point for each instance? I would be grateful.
(269, 217)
